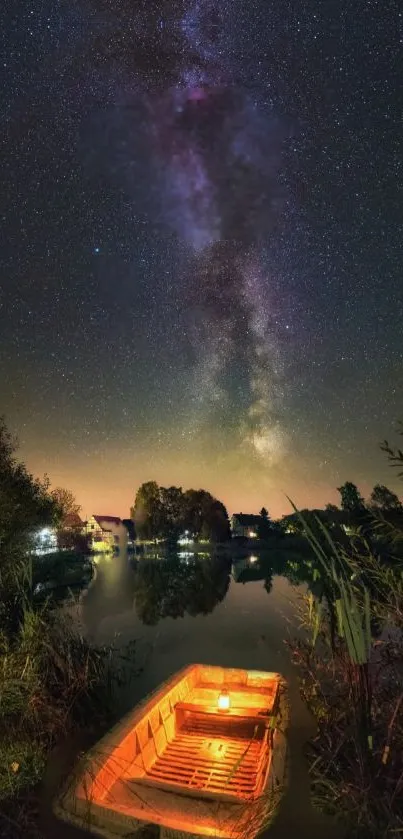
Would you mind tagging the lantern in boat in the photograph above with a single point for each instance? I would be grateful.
(224, 701)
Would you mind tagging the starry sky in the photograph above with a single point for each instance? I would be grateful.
(201, 264)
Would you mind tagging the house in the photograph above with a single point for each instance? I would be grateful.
(107, 533)
(72, 522)
(245, 525)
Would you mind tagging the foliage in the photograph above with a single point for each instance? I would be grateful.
(71, 539)
(265, 525)
(51, 681)
(384, 499)
(147, 511)
(50, 678)
(173, 516)
(66, 504)
(25, 507)
(331, 517)
(351, 498)
(164, 513)
(60, 570)
(395, 454)
(352, 678)
(332, 510)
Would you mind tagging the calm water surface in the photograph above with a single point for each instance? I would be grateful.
(245, 626)
(231, 614)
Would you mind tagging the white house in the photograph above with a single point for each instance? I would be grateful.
(108, 533)
(245, 525)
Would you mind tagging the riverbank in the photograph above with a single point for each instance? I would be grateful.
(53, 573)
(53, 683)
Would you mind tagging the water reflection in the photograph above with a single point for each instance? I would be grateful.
(267, 564)
(179, 585)
(184, 583)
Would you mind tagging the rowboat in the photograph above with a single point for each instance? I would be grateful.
(203, 755)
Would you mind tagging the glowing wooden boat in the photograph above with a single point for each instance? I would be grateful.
(202, 756)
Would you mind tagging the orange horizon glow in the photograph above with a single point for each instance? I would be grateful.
(97, 493)
(106, 482)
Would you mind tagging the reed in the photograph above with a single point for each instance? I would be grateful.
(353, 682)
(52, 682)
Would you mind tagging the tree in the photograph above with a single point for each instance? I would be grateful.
(385, 499)
(172, 504)
(351, 498)
(332, 509)
(216, 527)
(25, 507)
(72, 539)
(265, 526)
(205, 516)
(65, 503)
(147, 512)
(163, 513)
(334, 517)
(194, 501)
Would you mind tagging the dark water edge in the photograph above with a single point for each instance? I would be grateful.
(246, 629)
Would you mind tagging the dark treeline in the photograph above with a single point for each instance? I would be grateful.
(166, 513)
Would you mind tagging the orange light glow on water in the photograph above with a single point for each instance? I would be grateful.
(224, 701)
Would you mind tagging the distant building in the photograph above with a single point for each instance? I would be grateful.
(245, 525)
(72, 521)
(107, 533)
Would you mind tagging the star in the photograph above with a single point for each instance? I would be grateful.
(202, 269)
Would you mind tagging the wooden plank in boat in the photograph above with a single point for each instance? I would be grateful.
(249, 714)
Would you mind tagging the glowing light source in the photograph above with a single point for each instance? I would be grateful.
(224, 701)
(252, 534)
(253, 559)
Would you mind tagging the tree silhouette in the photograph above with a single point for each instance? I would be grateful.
(384, 499)
(25, 507)
(351, 498)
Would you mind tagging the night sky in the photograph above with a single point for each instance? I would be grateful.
(201, 260)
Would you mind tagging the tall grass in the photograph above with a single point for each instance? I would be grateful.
(52, 682)
(353, 682)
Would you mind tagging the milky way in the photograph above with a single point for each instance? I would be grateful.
(200, 272)
(220, 152)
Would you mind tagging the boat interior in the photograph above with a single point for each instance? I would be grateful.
(209, 734)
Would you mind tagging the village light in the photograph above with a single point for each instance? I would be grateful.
(224, 701)
(253, 559)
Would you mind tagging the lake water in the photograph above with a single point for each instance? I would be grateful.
(232, 614)
(245, 626)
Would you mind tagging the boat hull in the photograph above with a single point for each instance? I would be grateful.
(178, 762)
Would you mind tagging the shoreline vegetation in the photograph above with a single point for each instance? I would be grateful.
(53, 683)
